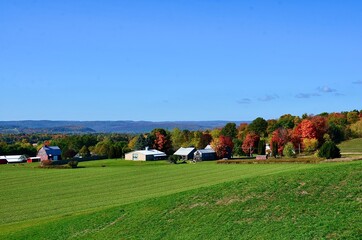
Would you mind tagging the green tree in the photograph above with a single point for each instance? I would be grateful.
(229, 130)
(258, 126)
(286, 121)
(84, 151)
(177, 138)
(289, 150)
(329, 150)
(261, 147)
(238, 151)
(141, 142)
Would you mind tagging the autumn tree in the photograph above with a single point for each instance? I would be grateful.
(132, 143)
(308, 130)
(352, 117)
(242, 131)
(177, 138)
(250, 143)
(320, 124)
(162, 140)
(356, 128)
(201, 139)
(223, 146)
(281, 136)
(215, 133)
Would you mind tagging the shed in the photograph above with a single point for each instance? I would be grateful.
(205, 154)
(52, 153)
(145, 155)
(13, 158)
(186, 153)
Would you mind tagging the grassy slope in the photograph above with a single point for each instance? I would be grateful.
(351, 146)
(323, 203)
(30, 196)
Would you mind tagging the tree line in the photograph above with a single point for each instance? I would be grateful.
(286, 135)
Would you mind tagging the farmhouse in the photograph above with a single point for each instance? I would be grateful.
(12, 159)
(145, 155)
(205, 154)
(50, 153)
(185, 153)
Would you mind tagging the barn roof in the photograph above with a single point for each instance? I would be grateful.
(206, 151)
(52, 150)
(184, 151)
(151, 152)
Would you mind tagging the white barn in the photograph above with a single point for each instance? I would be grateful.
(145, 155)
(185, 153)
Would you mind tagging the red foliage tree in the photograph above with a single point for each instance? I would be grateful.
(162, 142)
(281, 136)
(206, 138)
(223, 146)
(308, 130)
(250, 143)
(320, 124)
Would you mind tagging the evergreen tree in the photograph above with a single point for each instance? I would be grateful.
(329, 150)
(141, 142)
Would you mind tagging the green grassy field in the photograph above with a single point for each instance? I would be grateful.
(156, 200)
(353, 146)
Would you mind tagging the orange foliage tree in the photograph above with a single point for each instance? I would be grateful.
(250, 143)
(223, 146)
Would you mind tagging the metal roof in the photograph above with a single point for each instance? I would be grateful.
(52, 150)
(184, 151)
(151, 152)
(206, 151)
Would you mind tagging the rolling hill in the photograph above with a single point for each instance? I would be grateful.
(46, 126)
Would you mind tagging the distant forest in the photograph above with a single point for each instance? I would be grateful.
(300, 134)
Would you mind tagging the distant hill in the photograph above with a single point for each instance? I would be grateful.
(46, 126)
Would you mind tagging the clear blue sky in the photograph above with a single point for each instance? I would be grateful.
(178, 60)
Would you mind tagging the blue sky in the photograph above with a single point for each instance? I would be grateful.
(178, 60)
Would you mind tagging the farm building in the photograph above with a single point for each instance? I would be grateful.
(13, 159)
(50, 153)
(186, 153)
(3, 160)
(145, 155)
(205, 154)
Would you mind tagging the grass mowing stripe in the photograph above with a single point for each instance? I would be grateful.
(68, 191)
(315, 203)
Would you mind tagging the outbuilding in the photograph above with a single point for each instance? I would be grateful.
(205, 154)
(13, 159)
(145, 155)
(186, 153)
(52, 153)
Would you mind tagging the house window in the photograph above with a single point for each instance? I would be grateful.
(134, 156)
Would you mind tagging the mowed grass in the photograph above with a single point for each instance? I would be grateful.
(323, 202)
(353, 146)
(30, 196)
